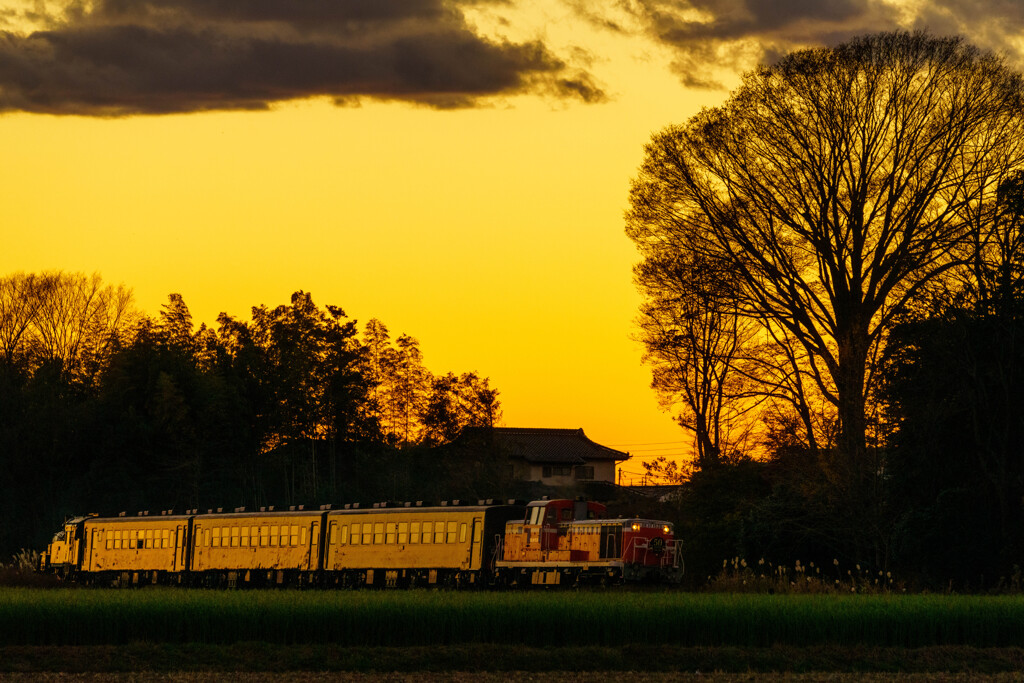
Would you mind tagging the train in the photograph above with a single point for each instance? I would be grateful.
(489, 544)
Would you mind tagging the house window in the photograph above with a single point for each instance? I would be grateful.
(585, 472)
(557, 471)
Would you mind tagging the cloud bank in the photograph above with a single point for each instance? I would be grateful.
(707, 36)
(122, 57)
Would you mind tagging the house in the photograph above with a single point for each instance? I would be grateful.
(554, 457)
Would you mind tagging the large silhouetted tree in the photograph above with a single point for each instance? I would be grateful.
(835, 185)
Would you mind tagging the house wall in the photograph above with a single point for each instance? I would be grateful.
(604, 470)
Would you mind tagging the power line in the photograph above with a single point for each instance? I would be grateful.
(668, 449)
(650, 443)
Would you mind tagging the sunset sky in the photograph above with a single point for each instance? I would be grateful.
(458, 170)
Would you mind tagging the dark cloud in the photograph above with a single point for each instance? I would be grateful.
(119, 57)
(708, 35)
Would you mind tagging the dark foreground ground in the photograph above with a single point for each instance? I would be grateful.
(484, 663)
(469, 677)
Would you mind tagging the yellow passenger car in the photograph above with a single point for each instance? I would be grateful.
(125, 549)
(413, 545)
(240, 547)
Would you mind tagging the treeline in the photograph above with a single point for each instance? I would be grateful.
(833, 281)
(105, 409)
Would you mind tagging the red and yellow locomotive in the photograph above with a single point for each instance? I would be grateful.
(571, 541)
(547, 542)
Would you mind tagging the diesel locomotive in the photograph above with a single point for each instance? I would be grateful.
(545, 542)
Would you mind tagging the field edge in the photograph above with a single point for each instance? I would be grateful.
(273, 657)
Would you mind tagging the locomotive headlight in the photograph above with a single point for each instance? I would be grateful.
(666, 529)
(636, 526)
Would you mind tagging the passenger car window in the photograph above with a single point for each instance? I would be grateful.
(427, 532)
(451, 531)
(403, 533)
(414, 532)
(462, 533)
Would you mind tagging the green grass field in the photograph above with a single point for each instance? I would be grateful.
(534, 619)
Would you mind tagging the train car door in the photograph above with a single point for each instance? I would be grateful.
(474, 544)
(92, 545)
(312, 561)
(177, 556)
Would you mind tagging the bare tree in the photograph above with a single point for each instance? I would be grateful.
(78, 321)
(694, 339)
(21, 296)
(836, 184)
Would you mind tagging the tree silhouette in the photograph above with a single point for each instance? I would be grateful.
(836, 185)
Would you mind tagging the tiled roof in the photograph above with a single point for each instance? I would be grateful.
(557, 446)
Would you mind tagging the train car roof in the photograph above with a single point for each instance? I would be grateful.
(257, 513)
(139, 518)
(424, 508)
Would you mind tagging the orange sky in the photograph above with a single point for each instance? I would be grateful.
(492, 233)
